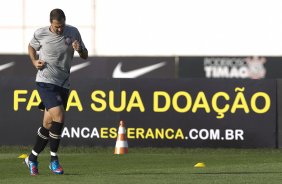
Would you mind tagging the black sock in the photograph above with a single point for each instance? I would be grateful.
(41, 141)
(55, 137)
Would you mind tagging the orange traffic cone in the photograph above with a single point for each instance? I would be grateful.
(121, 144)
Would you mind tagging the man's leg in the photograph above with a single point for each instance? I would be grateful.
(41, 138)
(57, 114)
(54, 99)
(41, 142)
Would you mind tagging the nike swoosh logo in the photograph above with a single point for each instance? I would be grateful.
(7, 65)
(79, 66)
(118, 73)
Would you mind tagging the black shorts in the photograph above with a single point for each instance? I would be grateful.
(52, 95)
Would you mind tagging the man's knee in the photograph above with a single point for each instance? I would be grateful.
(57, 114)
(47, 124)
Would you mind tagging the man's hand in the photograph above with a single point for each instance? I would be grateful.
(76, 46)
(39, 64)
(83, 53)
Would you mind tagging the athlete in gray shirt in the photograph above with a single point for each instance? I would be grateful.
(56, 53)
(56, 45)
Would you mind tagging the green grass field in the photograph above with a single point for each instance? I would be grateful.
(147, 165)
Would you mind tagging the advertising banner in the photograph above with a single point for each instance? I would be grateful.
(124, 67)
(230, 67)
(20, 116)
(16, 65)
(202, 113)
(97, 67)
(157, 112)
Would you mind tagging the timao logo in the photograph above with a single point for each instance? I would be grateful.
(256, 67)
(235, 67)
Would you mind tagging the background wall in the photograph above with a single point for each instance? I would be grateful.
(20, 18)
(153, 27)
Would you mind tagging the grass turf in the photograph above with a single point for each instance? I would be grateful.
(147, 165)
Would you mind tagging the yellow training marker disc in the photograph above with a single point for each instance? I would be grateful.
(23, 156)
(200, 165)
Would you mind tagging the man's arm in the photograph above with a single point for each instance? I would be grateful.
(83, 52)
(32, 53)
(38, 64)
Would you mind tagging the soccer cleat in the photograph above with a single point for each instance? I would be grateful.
(32, 166)
(56, 168)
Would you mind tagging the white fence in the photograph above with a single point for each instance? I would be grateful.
(153, 27)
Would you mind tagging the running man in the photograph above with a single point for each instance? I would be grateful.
(56, 45)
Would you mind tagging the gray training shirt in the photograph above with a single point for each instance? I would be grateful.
(57, 52)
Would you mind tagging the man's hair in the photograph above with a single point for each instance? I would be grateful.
(57, 14)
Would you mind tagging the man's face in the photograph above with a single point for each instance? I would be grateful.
(58, 26)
